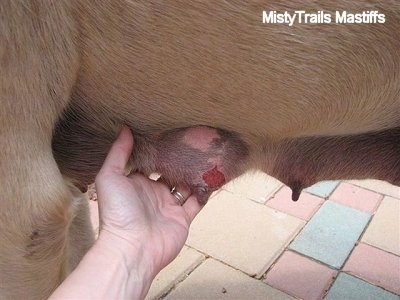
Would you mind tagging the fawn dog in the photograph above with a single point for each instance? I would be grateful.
(208, 90)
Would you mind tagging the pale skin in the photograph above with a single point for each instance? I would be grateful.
(142, 229)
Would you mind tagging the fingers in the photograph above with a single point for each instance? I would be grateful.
(191, 204)
(192, 207)
(119, 153)
(182, 192)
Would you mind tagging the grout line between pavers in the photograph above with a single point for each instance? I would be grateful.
(334, 189)
(273, 194)
(246, 274)
(267, 197)
(286, 248)
(367, 225)
(309, 258)
(352, 250)
(362, 279)
(185, 275)
(380, 249)
(372, 190)
(207, 256)
(297, 217)
(264, 276)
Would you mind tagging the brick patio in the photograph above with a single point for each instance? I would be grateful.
(341, 240)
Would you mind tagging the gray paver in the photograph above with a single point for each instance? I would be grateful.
(349, 287)
(331, 234)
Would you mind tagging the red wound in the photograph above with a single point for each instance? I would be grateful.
(214, 178)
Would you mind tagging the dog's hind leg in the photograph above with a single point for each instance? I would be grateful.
(81, 234)
(39, 65)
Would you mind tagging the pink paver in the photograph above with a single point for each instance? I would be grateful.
(356, 197)
(304, 208)
(94, 214)
(300, 277)
(375, 266)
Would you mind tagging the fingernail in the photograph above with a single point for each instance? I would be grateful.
(121, 127)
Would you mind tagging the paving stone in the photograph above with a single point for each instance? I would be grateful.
(242, 233)
(356, 197)
(300, 277)
(349, 287)
(214, 280)
(186, 261)
(254, 185)
(384, 230)
(304, 208)
(322, 189)
(375, 266)
(379, 186)
(331, 234)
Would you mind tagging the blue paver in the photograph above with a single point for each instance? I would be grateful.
(331, 234)
(349, 287)
(322, 189)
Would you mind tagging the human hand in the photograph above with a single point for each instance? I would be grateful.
(137, 213)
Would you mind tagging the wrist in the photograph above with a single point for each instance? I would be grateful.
(112, 269)
(130, 258)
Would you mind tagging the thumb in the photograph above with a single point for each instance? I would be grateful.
(119, 153)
